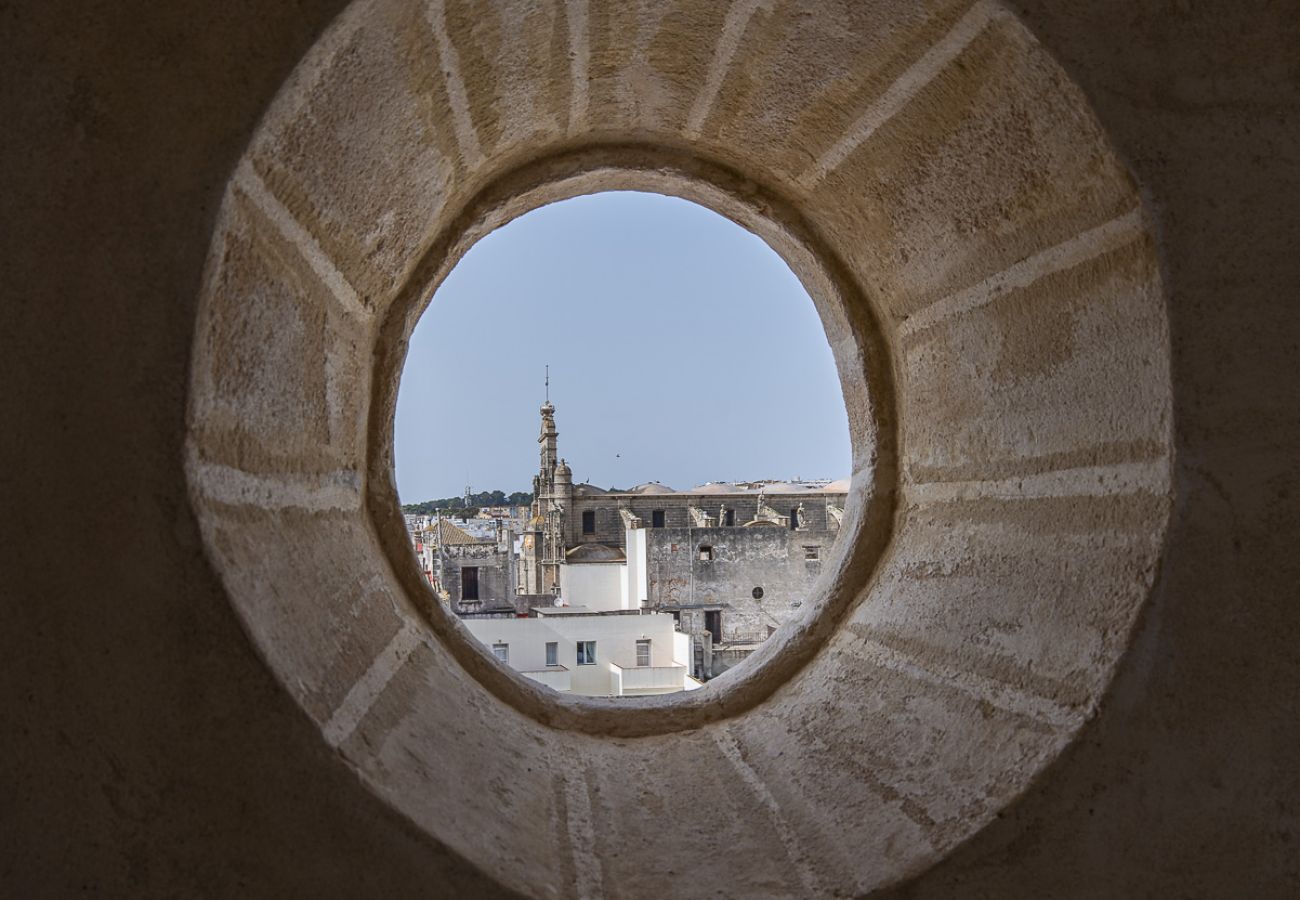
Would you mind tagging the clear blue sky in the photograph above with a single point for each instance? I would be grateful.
(682, 350)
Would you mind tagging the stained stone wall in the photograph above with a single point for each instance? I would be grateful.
(769, 558)
(1053, 246)
(496, 576)
(610, 526)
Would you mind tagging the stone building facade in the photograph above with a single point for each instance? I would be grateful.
(732, 563)
(473, 575)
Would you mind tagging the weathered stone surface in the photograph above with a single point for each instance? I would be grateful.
(1075, 672)
(982, 228)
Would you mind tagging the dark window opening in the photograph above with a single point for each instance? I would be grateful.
(469, 583)
(812, 553)
(586, 653)
(706, 552)
(794, 518)
(657, 519)
(713, 624)
(589, 522)
(758, 593)
(730, 518)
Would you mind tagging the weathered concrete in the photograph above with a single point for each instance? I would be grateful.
(741, 559)
(495, 569)
(1058, 658)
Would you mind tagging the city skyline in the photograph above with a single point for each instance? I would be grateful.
(681, 349)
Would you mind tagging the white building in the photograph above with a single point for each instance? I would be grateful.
(601, 642)
(603, 578)
(600, 654)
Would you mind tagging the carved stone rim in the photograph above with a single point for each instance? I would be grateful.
(862, 359)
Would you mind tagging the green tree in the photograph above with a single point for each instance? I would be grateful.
(477, 501)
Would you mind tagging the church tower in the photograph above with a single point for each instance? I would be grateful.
(548, 439)
(552, 494)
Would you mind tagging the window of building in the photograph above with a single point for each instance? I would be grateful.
(586, 653)
(643, 652)
(730, 518)
(794, 518)
(713, 624)
(812, 553)
(757, 593)
(552, 653)
(706, 552)
(589, 522)
(501, 652)
(469, 583)
(657, 519)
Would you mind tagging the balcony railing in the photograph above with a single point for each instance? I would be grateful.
(746, 637)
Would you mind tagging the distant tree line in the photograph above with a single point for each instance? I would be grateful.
(476, 501)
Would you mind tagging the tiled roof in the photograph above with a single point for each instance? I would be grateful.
(450, 534)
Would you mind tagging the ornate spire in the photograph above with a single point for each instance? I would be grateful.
(547, 408)
(548, 438)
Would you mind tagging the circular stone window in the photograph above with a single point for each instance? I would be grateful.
(552, 299)
(865, 531)
(758, 593)
(993, 302)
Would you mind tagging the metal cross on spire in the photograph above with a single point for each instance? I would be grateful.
(548, 384)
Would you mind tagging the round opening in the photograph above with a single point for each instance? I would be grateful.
(757, 593)
(865, 518)
(687, 379)
(992, 298)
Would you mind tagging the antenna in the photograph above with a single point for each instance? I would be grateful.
(548, 384)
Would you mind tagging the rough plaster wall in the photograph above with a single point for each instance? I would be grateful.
(743, 558)
(494, 583)
(1186, 782)
(146, 749)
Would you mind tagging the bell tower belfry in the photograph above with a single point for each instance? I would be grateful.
(548, 439)
(552, 489)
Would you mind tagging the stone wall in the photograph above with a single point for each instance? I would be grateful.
(676, 506)
(496, 575)
(769, 559)
(1072, 672)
